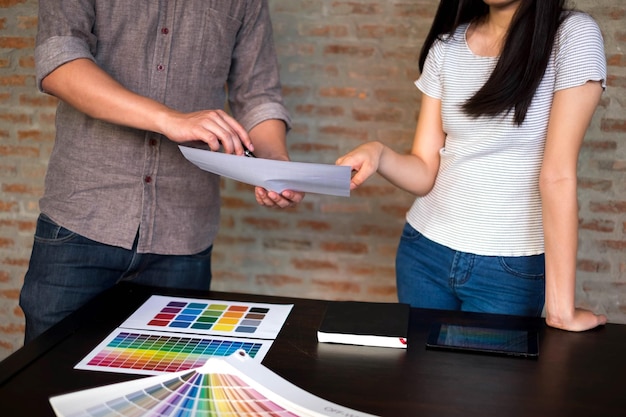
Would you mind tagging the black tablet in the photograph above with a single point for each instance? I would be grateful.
(498, 341)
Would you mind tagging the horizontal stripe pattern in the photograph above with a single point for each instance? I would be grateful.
(486, 197)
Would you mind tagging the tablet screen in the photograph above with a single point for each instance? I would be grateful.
(519, 342)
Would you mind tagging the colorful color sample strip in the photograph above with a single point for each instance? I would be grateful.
(225, 318)
(154, 353)
(232, 386)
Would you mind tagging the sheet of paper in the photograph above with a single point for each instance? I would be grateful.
(234, 385)
(144, 352)
(273, 175)
(169, 334)
(212, 317)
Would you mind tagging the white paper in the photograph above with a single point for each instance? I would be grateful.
(273, 175)
(170, 334)
(115, 354)
(234, 385)
(274, 316)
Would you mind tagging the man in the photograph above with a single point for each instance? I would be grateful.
(134, 80)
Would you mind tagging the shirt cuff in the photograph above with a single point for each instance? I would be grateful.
(265, 111)
(57, 51)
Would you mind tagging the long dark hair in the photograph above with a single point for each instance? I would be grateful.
(524, 57)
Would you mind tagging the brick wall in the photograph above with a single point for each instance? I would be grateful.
(347, 70)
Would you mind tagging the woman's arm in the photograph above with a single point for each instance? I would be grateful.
(570, 116)
(415, 172)
(85, 86)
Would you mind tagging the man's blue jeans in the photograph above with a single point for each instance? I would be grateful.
(66, 270)
(430, 275)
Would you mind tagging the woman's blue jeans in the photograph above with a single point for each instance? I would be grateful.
(66, 270)
(430, 275)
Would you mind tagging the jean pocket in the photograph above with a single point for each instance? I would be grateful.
(526, 267)
(409, 233)
(49, 232)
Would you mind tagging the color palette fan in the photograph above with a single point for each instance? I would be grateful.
(232, 386)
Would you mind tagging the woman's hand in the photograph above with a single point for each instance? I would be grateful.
(579, 321)
(364, 161)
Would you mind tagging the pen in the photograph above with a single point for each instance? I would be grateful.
(248, 153)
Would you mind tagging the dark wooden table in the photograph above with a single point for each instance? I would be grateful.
(577, 374)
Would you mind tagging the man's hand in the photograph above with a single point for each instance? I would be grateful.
(285, 199)
(214, 127)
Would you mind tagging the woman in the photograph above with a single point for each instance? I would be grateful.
(509, 89)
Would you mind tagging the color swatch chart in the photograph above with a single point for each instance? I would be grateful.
(204, 316)
(192, 394)
(225, 318)
(154, 353)
(169, 334)
(232, 386)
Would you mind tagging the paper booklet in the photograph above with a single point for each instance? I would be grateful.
(365, 323)
(232, 386)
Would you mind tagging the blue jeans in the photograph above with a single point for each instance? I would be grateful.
(66, 270)
(430, 275)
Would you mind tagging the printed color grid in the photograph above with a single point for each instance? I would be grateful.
(209, 316)
(164, 353)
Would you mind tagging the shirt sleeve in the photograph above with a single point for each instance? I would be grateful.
(579, 55)
(254, 89)
(63, 35)
(429, 81)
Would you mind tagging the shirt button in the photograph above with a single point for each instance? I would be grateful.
(148, 179)
(160, 67)
(153, 142)
(165, 31)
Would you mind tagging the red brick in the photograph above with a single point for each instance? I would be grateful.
(22, 151)
(11, 294)
(354, 51)
(27, 22)
(313, 109)
(332, 31)
(385, 115)
(337, 287)
(287, 244)
(263, 223)
(234, 203)
(277, 280)
(608, 207)
(5, 4)
(8, 206)
(614, 125)
(23, 189)
(15, 42)
(312, 264)
(38, 100)
(614, 244)
(378, 31)
(345, 131)
(314, 225)
(342, 92)
(588, 265)
(345, 247)
(355, 8)
(604, 226)
(11, 329)
(600, 145)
